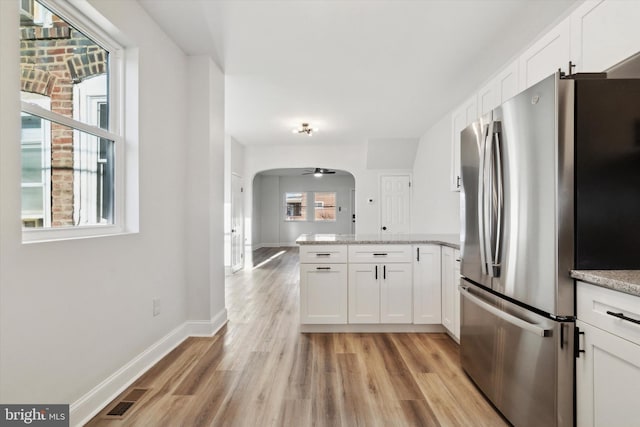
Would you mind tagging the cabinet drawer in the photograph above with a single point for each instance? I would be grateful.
(593, 303)
(379, 253)
(326, 254)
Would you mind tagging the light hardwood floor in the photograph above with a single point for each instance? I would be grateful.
(259, 370)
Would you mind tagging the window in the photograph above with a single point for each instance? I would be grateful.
(71, 143)
(296, 206)
(324, 204)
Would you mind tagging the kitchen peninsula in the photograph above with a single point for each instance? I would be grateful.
(379, 283)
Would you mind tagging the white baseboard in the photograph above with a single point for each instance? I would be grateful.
(371, 328)
(204, 328)
(85, 408)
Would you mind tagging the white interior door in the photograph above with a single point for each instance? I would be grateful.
(237, 223)
(395, 204)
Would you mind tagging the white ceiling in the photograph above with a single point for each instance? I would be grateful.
(355, 69)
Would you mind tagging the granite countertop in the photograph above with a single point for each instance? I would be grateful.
(451, 240)
(627, 281)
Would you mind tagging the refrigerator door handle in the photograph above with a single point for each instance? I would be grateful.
(496, 239)
(483, 259)
(516, 321)
(487, 202)
(482, 200)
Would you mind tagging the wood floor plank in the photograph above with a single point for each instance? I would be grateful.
(260, 370)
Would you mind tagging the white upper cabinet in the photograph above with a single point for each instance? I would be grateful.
(502, 87)
(488, 98)
(604, 33)
(460, 119)
(551, 52)
(506, 83)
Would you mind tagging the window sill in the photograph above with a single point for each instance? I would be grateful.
(71, 233)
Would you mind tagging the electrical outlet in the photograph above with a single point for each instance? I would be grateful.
(156, 307)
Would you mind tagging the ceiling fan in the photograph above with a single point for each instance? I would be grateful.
(318, 172)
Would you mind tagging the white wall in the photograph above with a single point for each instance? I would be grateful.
(269, 207)
(74, 312)
(204, 225)
(268, 212)
(436, 209)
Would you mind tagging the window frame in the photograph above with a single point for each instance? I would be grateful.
(315, 206)
(287, 218)
(116, 66)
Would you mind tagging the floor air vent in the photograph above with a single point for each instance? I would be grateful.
(120, 409)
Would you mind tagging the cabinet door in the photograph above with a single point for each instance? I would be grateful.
(604, 33)
(507, 84)
(396, 293)
(448, 297)
(427, 288)
(487, 98)
(323, 293)
(364, 293)
(456, 293)
(460, 119)
(548, 54)
(607, 379)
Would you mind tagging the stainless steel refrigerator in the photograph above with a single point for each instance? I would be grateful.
(546, 181)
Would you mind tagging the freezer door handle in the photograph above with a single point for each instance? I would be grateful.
(516, 321)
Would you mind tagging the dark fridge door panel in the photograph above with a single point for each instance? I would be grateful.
(523, 362)
(607, 174)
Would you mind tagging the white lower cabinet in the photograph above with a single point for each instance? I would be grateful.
(364, 293)
(608, 368)
(323, 293)
(607, 379)
(396, 296)
(380, 284)
(427, 305)
(380, 293)
(450, 292)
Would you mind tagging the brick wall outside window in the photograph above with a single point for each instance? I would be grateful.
(52, 60)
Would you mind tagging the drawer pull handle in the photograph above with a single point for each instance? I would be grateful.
(380, 254)
(323, 254)
(323, 268)
(623, 317)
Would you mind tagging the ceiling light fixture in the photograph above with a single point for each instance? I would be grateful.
(305, 128)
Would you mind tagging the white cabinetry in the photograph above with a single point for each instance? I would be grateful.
(460, 119)
(551, 52)
(604, 33)
(380, 284)
(506, 83)
(427, 305)
(450, 292)
(323, 284)
(608, 371)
